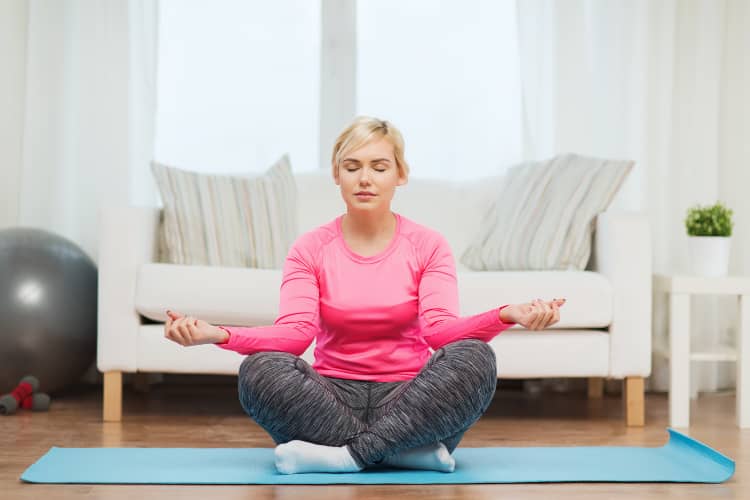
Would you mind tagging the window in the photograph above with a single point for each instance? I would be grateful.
(447, 74)
(238, 84)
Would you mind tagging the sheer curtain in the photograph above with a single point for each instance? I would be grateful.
(88, 113)
(664, 83)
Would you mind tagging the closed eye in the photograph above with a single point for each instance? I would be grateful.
(355, 169)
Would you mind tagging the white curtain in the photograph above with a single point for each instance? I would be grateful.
(664, 83)
(88, 129)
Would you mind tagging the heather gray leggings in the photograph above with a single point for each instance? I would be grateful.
(290, 400)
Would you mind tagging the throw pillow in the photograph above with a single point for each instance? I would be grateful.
(226, 220)
(543, 217)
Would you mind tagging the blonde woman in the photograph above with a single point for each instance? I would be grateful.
(377, 291)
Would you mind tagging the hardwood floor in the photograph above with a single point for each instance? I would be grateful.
(209, 415)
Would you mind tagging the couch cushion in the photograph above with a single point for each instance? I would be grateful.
(245, 296)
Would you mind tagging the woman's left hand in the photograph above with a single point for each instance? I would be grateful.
(535, 315)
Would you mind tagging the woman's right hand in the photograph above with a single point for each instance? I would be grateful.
(188, 331)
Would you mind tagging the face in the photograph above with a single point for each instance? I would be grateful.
(368, 176)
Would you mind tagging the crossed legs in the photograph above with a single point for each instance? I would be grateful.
(418, 425)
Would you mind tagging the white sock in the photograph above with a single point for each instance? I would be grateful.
(429, 457)
(301, 456)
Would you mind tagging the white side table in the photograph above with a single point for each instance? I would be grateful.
(680, 288)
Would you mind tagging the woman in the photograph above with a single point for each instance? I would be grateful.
(376, 290)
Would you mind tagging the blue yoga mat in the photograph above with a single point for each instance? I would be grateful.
(682, 459)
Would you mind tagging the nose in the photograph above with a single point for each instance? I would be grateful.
(364, 176)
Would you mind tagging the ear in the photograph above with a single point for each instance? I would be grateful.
(336, 176)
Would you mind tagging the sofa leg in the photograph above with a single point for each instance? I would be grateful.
(596, 387)
(112, 408)
(633, 400)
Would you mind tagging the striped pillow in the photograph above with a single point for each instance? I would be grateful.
(223, 220)
(544, 215)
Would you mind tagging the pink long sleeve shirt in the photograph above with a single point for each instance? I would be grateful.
(373, 318)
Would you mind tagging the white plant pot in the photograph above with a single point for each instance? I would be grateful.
(709, 255)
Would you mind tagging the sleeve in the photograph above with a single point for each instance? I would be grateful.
(298, 319)
(439, 306)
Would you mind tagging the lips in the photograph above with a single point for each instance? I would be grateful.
(364, 193)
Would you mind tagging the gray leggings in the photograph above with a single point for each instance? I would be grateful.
(290, 400)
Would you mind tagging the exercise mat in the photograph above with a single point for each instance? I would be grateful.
(682, 459)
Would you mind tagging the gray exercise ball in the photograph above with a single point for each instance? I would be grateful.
(48, 299)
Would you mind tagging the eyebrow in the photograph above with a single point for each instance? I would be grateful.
(373, 161)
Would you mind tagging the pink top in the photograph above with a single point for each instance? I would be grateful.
(373, 318)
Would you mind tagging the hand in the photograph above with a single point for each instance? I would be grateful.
(187, 330)
(535, 315)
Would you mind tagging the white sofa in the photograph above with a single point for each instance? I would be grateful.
(604, 330)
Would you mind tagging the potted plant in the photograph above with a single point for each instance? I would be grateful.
(709, 232)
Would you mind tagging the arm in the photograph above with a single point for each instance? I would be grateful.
(297, 323)
(438, 304)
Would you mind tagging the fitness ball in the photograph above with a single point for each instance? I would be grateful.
(48, 299)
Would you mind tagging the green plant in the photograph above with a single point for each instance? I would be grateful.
(713, 220)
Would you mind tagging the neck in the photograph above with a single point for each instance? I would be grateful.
(368, 224)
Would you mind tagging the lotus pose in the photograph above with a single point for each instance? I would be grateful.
(398, 375)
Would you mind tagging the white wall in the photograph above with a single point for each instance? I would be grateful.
(13, 22)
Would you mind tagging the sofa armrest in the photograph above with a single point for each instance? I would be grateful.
(622, 253)
(128, 237)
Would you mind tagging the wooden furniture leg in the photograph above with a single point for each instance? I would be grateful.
(633, 398)
(112, 407)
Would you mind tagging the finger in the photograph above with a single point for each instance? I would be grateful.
(184, 334)
(532, 315)
(175, 332)
(178, 331)
(549, 315)
(538, 315)
(175, 336)
(529, 314)
(193, 332)
(189, 325)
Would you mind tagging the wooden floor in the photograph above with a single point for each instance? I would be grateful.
(209, 415)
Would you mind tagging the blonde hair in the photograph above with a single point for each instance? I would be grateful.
(363, 130)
